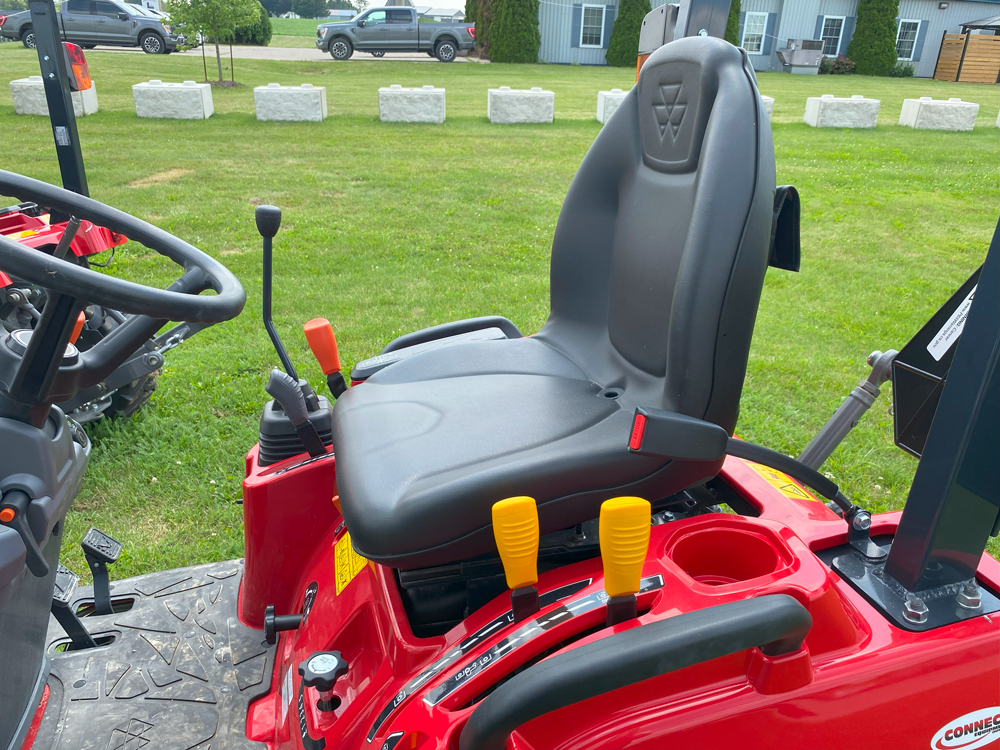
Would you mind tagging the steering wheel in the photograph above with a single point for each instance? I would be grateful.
(36, 377)
(76, 281)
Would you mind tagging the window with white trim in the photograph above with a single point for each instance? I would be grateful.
(592, 27)
(833, 28)
(906, 38)
(754, 25)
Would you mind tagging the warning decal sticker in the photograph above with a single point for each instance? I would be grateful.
(782, 482)
(348, 562)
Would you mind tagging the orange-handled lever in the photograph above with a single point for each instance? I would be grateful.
(77, 327)
(323, 342)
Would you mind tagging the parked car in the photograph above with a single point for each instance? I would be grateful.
(382, 30)
(92, 22)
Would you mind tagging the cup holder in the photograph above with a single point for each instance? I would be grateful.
(718, 557)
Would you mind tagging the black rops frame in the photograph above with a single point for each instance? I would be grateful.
(55, 78)
(954, 502)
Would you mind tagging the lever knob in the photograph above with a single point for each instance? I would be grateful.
(323, 342)
(624, 533)
(287, 392)
(268, 220)
(321, 671)
(515, 528)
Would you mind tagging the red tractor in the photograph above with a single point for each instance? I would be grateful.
(552, 541)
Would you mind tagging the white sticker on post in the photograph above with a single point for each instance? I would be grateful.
(951, 330)
(286, 693)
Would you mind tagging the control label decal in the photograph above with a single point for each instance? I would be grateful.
(466, 646)
(782, 482)
(308, 600)
(977, 729)
(348, 563)
(525, 633)
(952, 329)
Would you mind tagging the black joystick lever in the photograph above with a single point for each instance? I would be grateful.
(268, 220)
(274, 624)
(321, 671)
(101, 550)
(62, 596)
(288, 393)
(14, 515)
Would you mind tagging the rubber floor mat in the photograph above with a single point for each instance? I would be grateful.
(179, 675)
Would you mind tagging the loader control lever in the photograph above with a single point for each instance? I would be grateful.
(624, 531)
(515, 528)
(321, 671)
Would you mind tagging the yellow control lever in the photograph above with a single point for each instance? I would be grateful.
(624, 532)
(515, 528)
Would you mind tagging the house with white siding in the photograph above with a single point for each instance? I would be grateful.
(575, 31)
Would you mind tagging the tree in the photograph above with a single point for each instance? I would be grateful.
(310, 8)
(213, 19)
(733, 24)
(873, 46)
(257, 31)
(623, 47)
(484, 19)
(339, 5)
(514, 35)
(470, 10)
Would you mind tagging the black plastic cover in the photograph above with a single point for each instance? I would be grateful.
(785, 248)
(278, 437)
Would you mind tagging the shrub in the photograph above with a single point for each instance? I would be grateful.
(256, 32)
(623, 47)
(514, 35)
(902, 70)
(837, 66)
(732, 34)
(873, 46)
(470, 10)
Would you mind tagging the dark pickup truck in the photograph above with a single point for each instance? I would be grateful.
(382, 30)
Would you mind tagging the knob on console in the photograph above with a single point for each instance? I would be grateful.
(321, 671)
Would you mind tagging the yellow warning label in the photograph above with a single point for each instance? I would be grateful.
(348, 563)
(782, 482)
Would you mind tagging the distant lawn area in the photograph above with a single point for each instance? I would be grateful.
(297, 26)
(389, 228)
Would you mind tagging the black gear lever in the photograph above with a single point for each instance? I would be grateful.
(288, 393)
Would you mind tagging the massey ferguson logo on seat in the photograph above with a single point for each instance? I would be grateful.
(977, 729)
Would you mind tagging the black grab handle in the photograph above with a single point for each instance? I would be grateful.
(776, 623)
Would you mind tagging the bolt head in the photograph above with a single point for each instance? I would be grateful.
(915, 611)
(970, 597)
(862, 522)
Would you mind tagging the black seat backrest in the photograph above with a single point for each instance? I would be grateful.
(662, 244)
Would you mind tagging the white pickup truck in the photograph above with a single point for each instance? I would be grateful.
(382, 30)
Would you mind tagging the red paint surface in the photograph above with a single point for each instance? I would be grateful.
(36, 722)
(90, 239)
(858, 681)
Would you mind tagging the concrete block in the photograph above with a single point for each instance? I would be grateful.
(608, 102)
(305, 103)
(177, 101)
(398, 104)
(829, 111)
(506, 105)
(927, 114)
(768, 105)
(29, 98)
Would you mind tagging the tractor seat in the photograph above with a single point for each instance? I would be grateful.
(657, 266)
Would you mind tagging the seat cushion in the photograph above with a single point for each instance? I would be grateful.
(425, 447)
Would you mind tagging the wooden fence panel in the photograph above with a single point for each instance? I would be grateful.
(969, 58)
(950, 57)
(982, 59)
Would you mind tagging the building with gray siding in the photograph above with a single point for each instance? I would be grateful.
(575, 31)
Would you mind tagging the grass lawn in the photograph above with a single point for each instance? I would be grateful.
(392, 227)
(297, 26)
(299, 41)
